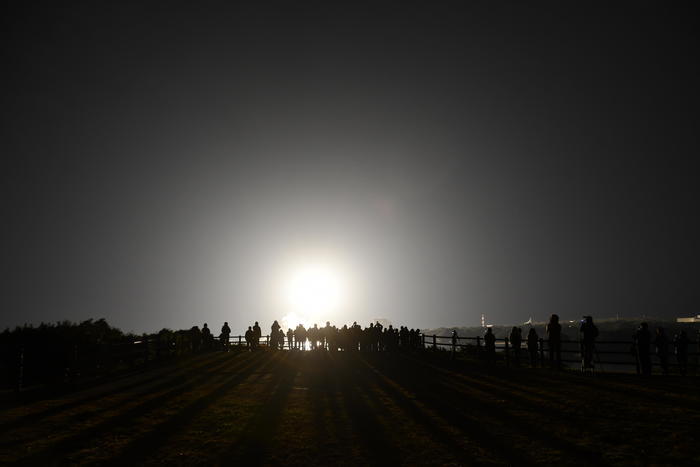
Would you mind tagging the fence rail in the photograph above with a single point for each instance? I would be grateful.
(568, 348)
(77, 362)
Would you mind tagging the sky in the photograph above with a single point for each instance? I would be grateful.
(430, 161)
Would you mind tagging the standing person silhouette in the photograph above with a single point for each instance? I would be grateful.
(249, 338)
(313, 335)
(300, 337)
(274, 334)
(225, 333)
(206, 337)
(490, 345)
(516, 340)
(195, 338)
(280, 338)
(328, 332)
(680, 346)
(589, 333)
(553, 330)
(532, 340)
(661, 344)
(455, 339)
(256, 335)
(290, 338)
(642, 339)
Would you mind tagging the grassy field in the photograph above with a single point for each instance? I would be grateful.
(318, 408)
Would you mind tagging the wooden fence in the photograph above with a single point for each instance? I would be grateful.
(617, 354)
(100, 360)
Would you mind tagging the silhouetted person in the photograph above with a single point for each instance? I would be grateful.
(680, 347)
(313, 335)
(377, 336)
(455, 339)
(225, 333)
(274, 334)
(345, 338)
(206, 336)
(490, 345)
(290, 338)
(328, 332)
(280, 339)
(553, 330)
(300, 337)
(195, 338)
(257, 332)
(589, 333)
(403, 337)
(417, 339)
(249, 338)
(661, 344)
(642, 339)
(516, 340)
(356, 335)
(532, 341)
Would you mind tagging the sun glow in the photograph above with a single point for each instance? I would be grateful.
(313, 293)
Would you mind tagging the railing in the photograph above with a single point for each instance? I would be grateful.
(616, 353)
(78, 362)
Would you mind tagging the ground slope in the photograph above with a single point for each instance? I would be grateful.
(319, 408)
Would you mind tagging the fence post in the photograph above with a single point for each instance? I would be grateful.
(20, 380)
(267, 340)
(507, 352)
(74, 370)
(434, 342)
(541, 352)
(478, 344)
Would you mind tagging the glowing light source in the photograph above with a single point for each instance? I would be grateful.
(312, 293)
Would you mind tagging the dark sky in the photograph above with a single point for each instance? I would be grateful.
(163, 167)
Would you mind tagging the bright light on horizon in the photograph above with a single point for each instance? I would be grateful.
(313, 292)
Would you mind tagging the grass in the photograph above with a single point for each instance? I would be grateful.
(341, 409)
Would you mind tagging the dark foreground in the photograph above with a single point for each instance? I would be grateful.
(303, 408)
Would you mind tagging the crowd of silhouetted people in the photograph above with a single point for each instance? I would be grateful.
(545, 351)
(373, 338)
(643, 346)
(65, 352)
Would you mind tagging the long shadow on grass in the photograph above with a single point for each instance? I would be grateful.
(315, 373)
(167, 381)
(64, 446)
(657, 389)
(137, 449)
(328, 419)
(516, 386)
(330, 435)
(159, 374)
(447, 411)
(253, 446)
(380, 449)
(490, 384)
(645, 391)
(330, 388)
(551, 398)
(460, 410)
